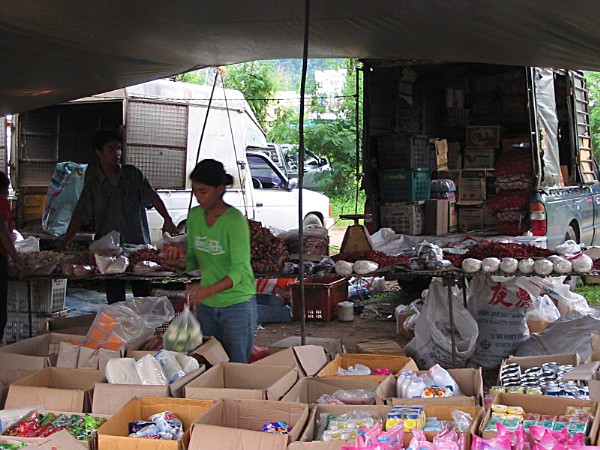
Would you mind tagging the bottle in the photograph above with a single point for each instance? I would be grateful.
(405, 383)
(443, 378)
(427, 379)
(401, 376)
(415, 389)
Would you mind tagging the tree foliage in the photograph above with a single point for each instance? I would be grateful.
(593, 83)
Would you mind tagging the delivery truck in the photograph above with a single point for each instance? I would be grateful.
(167, 127)
(515, 142)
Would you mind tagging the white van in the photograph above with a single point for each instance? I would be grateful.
(167, 128)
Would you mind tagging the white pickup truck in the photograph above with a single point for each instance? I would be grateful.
(267, 196)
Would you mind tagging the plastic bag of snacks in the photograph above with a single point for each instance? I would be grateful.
(164, 425)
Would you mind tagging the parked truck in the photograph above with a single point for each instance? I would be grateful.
(164, 135)
(486, 114)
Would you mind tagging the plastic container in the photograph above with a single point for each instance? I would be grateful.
(345, 311)
(404, 185)
(321, 296)
(443, 378)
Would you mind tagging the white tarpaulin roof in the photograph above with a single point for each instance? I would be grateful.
(59, 50)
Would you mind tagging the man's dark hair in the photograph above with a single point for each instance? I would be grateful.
(103, 137)
(4, 181)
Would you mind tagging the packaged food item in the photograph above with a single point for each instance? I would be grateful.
(279, 427)
(170, 366)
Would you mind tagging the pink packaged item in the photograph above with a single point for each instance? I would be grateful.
(381, 371)
(497, 443)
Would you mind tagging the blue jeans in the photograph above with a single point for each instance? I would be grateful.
(232, 326)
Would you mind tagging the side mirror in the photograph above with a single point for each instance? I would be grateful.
(292, 183)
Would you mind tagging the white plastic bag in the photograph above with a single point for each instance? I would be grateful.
(498, 304)
(28, 245)
(364, 267)
(121, 371)
(111, 264)
(344, 268)
(566, 300)
(107, 245)
(543, 309)
(568, 248)
(184, 333)
(150, 371)
(432, 342)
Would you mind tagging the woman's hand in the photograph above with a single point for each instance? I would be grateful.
(173, 256)
(197, 294)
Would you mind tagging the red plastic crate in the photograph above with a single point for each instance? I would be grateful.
(178, 299)
(321, 296)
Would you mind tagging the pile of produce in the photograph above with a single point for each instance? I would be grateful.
(80, 265)
(146, 260)
(513, 186)
(268, 252)
(486, 249)
(381, 258)
(42, 263)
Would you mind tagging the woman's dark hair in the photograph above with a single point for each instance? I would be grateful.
(211, 173)
(103, 137)
(4, 181)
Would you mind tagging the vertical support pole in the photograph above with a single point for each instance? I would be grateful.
(449, 282)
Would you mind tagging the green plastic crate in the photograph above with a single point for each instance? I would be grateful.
(404, 185)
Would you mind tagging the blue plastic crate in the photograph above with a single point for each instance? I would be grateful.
(404, 185)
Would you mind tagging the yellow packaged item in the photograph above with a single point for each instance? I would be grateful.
(499, 408)
(515, 410)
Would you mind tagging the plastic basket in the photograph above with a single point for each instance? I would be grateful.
(47, 296)
(404, 185)
(403, 218)
(403, 151)
(321, 296)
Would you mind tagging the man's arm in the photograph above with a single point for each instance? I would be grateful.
(168, 226)
(72, 229)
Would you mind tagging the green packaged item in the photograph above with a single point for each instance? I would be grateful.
(13, 446)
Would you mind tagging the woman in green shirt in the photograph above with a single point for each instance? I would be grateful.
(219, 245)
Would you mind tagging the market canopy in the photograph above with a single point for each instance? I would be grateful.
(54, 51)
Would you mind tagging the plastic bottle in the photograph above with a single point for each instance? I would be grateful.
(401, 376)
(415, 389)
(405, 383)
(443, 378)
(427, 379)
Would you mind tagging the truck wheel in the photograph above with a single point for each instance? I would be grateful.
(312, 219)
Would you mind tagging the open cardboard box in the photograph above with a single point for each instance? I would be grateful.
(62, 439)
(526, 362)
(78, 325)
(56, 389)
(8, 376)
(114, 434)
(594, 384)
(441, 412)
(109, 398)
(469, 381)
(541, 404)
(307, 359)
(77, 355)
(237, 380)
(331, 346)
(308, 390)
(231, 422)
(210, 353)
(395, 363)
(34, 353)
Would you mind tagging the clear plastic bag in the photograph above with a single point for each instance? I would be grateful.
(107, 245)
(184, 333)
(355, 396)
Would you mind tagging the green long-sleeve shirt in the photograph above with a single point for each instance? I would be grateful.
(220, 250)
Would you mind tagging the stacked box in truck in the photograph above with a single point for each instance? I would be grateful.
(529, 124)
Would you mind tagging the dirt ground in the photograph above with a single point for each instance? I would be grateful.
(377, 322)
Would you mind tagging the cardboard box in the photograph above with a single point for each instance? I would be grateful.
(594, 385)
(472, 185)
(439, 155)
(308, 390)
(307, 359)
(454, 156)
(79, 325)
(209, 354)
(231, 422)
(77, 355)
(540, 404)
(441, 412)
(332, 346)
(8, 376)
(237, 380)
(452, 217)
(114, 434)
(527, 362)
(470, 382)
(109, 398)
(471, 216)
(483, 137)
(379, 346)
(489, 217)
(34, 353)
(394, 363)
(400, 319)
(55, 389)
(436, 217)
(479, 158)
